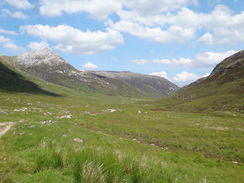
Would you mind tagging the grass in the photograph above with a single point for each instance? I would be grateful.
(124, 139)
(133, 143)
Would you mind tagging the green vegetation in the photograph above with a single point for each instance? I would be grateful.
(66, 135)
(122, 140)
(223, 91)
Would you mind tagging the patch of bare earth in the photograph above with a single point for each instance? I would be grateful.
(4, 127)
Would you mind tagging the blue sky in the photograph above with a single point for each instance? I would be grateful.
(181, 40)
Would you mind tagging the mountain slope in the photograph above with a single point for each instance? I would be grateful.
(153, 85)
(48, 65)
(222, 89)
(12, 81)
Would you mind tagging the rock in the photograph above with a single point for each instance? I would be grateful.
(66, 116)
(48, 113)
(20, 110)
(78, 140)
(112, 110)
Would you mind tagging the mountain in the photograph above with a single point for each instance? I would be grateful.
(12, 81)
(153, 85)
(223, 89)
(48, 65)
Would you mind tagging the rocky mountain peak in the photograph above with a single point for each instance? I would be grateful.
(41, 56)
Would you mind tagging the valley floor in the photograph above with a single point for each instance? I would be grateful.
(96, 138)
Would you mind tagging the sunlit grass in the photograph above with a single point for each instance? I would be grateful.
(124, 140)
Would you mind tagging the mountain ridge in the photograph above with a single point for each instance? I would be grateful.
(48, 65)
(147, 83)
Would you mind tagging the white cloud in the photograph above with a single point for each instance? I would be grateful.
(226, 28)
(207, 39)
(16, 14)
(149, 7)
(38, 45)
(89, 66)
(220, 27)
(172, 34)
(4, 40)
(205, 59)
(180, 79)
(164, 21)
(72, 40)
(22, 4)
(211, 58)
(184, 78)
(99, 9)
(3, 31)
(9, 44)
(161, 74)
(181, 61)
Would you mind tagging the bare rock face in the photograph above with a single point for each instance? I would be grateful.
(42, 56)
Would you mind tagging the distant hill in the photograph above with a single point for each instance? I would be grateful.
(153, 85)
(48, 65)
(222, 89)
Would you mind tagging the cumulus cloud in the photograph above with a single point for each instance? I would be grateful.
(225, 28)
(181, 61)
(205, 59)
(89, 66)
(3, 31)
(220, 27)
(211, 58)
(161, 21)
(16, 14)
(180, 79)
(172, 34)
(99, 9)
(22, 4)
(72, 40)
(9, 44)
(184, 77)
(37, 45)
(161, 74)
(149, 7)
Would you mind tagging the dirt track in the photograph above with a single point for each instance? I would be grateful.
(7, 127)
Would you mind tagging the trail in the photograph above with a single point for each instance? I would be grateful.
(6, 128)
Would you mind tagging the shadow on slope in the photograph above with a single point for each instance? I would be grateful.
(11, 81)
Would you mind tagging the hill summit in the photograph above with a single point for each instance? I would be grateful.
(42, 56)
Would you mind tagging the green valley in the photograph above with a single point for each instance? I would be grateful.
(60, 134)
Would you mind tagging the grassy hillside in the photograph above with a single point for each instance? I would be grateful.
(222, 90)
(82, 137)
(153, 86)
(12, 81)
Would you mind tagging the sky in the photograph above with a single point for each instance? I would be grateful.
(180, 40)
